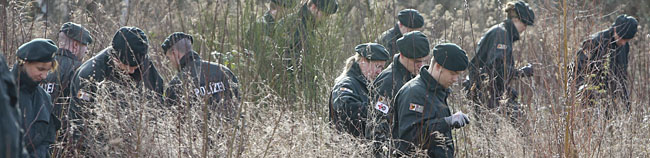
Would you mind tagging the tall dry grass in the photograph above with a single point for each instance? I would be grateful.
(284, 117)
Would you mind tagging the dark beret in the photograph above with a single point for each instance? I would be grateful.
(77, 32)
(626, 26)
(413, 45)
(173, 38)
(131, 45)
(450, 56)
(284, 3)
(410, 18)
(326, 6)
(525, 13)
(39, 50)
(372, 51)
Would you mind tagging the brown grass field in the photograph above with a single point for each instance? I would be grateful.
(288, 118)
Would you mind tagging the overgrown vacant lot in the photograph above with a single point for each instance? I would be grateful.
(289, 117)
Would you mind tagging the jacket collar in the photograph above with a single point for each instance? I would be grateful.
(511, 29)
(399, 68)
(355, 72)
(608, 36)
(112, 71)
(396, 31)
(431, 83)
(189, 58)
(24, 81)
(66, 53)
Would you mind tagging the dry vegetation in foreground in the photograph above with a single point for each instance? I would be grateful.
(286, 118)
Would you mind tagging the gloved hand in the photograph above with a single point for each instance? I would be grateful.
(527, 71)
(457, 120)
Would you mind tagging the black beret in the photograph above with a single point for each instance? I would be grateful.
(626, 26)
(450, 56)
(372, 51)
(173, 38)
(40, 50)
(525, 13)
(284, 3)
(77, 32)
(410, 18)
(130, 45)
(413, 45)
(326, 6)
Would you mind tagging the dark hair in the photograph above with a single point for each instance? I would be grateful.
(183, 45)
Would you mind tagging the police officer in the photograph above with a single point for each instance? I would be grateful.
(35, 60)
(204, 79)
(264, 26)
(126, 57)
(261, 37)
(423, 117)
(607, 45)
(73, 45)
(408, 20)
(492, 69)
(414, 53)
(277, 10)
(349, 99)
(10, 123)
(298, 28)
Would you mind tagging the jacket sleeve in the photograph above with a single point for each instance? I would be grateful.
(43, 149)
(378, 125)
(43, 129)
(346, 102)
(170, 97)
(152, 78)
(10, 123)
(582, 60)
(66, 80)
(620, 64)
(82, 93)
(234, 99)
(234, 86)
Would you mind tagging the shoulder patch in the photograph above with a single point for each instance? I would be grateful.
(346, 90)
(381, 106)
(416, 107)
(502, 46)
(83, 95)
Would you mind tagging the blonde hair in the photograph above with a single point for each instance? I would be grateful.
(510, 10)
(348, 64)
(54, 64)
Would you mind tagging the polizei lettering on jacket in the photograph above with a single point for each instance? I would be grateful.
(211, 88)
(48, 87)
